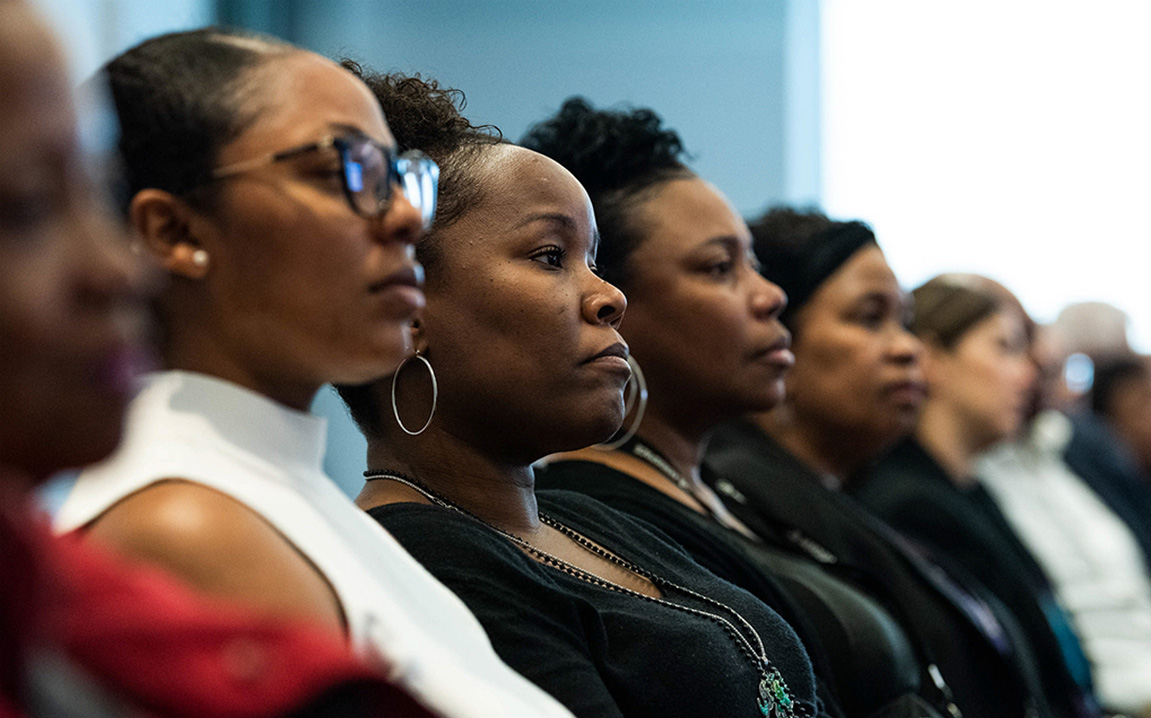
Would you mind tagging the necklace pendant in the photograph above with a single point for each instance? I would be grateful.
(774, 699)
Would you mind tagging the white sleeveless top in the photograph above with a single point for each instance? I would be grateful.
(269, 457)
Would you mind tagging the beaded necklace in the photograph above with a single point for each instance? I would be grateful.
(773, 699)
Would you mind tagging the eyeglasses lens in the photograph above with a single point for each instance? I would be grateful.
(370, 171)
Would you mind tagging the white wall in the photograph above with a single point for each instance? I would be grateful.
(1007, 138)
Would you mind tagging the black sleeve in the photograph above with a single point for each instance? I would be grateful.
(540, 631)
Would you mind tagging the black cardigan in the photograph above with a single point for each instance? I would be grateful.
(773, 492)
(912, 492)
(601, 652)
(856, 646)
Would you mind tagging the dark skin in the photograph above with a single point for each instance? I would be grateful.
(72, 297)
(514, 323)
(858, 384)
(290, 298)
(704, 326)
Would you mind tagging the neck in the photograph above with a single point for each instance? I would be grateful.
(203, 356)
(498, 492)
(682, 447)
(943, 436)
(827, 452)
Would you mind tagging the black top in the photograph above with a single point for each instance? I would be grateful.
(913, 493)
(854, 642)
(775, 493)
(604, 652)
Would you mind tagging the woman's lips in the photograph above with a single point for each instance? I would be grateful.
(778, 354)
(907, 392)
(403, 288)
(118, 368)
(612, 358)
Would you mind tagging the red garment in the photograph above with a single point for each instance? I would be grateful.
(78, 627)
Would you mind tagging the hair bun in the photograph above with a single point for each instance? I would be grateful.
(608, 150)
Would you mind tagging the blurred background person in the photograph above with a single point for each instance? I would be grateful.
(1061, 488)
(980, 375)
(1121, 397)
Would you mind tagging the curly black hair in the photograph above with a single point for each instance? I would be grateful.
(618, 156)
(424, 116)
(179, 99)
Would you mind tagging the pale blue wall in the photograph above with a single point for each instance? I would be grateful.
(739, 79)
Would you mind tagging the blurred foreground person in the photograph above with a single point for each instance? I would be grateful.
(518, 356)
(980, 377)
(80, 634)
(856, 389)
(264, 180)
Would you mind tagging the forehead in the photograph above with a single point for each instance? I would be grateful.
(682, 213)
(300, 97)
(520, 184)
(865, 272)
(36, 114)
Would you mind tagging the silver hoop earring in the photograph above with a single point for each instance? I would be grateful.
(637, 398)
(435, 394)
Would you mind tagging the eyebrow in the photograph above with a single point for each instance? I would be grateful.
(344, 128)
(563, 220)
(727, 239)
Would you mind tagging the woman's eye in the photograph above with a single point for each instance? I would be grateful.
(721, 269)
(551, 256)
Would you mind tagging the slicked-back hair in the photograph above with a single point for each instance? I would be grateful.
(179, 99)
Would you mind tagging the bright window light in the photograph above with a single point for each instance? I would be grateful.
(1006, 137)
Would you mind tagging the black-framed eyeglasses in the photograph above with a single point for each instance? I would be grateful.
(368, 172)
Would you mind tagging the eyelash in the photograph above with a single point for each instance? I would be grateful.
(551, 253)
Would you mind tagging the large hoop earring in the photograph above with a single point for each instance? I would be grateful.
(637, 398)
(435, 394)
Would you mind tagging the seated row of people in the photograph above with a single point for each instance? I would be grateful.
(696, 550)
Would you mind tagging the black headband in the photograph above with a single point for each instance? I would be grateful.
(800, 270)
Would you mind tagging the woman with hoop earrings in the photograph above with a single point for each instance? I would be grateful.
(518, 356)
(705, 326)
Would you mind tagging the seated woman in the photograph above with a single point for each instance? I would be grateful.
(704, 326)
(605, 613)
(81, 634)
(980, 376)
(856, 388)
(264, 180)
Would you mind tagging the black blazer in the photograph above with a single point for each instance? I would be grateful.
(773, 492)
(913, 493)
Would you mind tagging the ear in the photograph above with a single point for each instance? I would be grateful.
(418, 336)
(163, 222)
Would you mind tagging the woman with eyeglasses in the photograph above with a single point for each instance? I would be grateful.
(517, 355)
(264, 180)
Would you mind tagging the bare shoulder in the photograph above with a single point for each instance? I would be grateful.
(219, 546)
